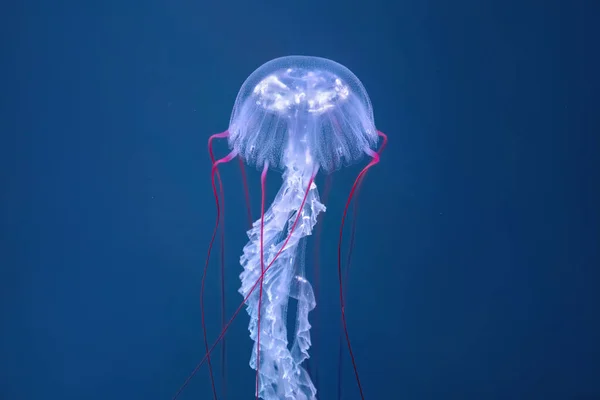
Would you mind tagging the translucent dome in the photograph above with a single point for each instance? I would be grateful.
(303, 111)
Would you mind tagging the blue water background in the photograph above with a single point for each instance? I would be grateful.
(475, 271)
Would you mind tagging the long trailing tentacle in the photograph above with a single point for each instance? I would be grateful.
(215, 172)
(263, 180)
(374, 160)
(347, 272)
(221, 221)
(222, 262)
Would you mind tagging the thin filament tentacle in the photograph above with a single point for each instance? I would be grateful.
(263, 180)
(237, 311)
(214, 171)
(346, 273)
(222, 261)
(374, 160)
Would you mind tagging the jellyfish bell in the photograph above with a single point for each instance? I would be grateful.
(300, 115)
(308, 109)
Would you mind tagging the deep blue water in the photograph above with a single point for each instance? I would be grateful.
(475, 271)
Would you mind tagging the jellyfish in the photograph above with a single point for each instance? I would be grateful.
(297, 115)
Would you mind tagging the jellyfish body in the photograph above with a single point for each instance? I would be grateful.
(302, 111)
(299, 115)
